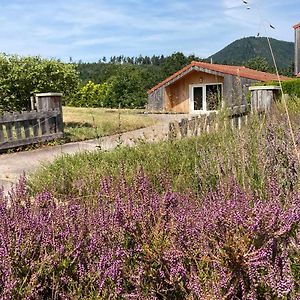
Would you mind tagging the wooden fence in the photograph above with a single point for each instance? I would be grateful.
(29, 127)
(234, 117)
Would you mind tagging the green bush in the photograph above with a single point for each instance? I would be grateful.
(127, 88)
(292, 87)
(90, 95)
(22, 76)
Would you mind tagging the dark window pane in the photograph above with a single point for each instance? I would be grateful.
(198, 98)
(213, 96)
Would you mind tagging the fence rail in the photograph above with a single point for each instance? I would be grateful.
(29, 127)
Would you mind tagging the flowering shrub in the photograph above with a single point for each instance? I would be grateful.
(134, 242)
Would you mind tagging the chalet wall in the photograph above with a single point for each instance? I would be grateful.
(175, 97)
(235, 90)
(177, 94)
(297, 50)
(156, 100)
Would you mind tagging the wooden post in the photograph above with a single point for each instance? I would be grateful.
(48, 102)
(263, 98)
(32, 102)
(1, 134)
(184, 127)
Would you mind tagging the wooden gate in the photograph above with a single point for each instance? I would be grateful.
(29, 127)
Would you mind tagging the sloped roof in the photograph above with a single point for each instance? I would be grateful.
(296, 26)
(240, 71)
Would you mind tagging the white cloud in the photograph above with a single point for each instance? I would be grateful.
(94, 28)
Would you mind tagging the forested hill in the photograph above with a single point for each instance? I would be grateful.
(252, 52)
(125, 80)
(242, 50)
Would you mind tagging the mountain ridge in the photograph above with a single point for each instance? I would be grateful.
(242, 50)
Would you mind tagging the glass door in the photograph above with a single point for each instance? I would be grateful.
(198, 98)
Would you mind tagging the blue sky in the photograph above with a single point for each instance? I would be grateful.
(91, 29)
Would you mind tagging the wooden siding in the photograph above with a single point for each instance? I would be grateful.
(297, 50)
(156, 100)
(235, 90)
(177, 98)
(29, 127)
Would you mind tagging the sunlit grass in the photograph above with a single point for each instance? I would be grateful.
(89, 123)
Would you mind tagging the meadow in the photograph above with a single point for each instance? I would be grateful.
(210, 217)
(91, 123)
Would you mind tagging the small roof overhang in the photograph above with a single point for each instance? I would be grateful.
(296, 26)
(264, 87)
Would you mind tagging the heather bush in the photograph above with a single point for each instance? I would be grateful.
(143, 241)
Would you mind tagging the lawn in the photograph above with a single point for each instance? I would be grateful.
(89, 123)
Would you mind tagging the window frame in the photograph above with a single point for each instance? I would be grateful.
(203, 85)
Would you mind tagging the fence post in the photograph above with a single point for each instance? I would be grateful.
(51, 101)
(263, 98)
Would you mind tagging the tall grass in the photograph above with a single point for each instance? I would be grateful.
(261, 149)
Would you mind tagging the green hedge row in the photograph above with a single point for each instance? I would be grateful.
(20, 77)
(125, 89)
(291, 87)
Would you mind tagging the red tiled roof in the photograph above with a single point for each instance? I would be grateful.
(296, 26)
(240, 71)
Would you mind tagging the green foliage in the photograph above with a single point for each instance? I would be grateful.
(174, 63)
(22, 76)
(259, 63)
(292, 87)
(199, 164)
(126, 88)
(96, 72)
(90, 95)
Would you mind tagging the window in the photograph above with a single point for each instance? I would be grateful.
(205, 97)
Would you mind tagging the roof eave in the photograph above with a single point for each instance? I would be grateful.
(296, 26)
(191, 67)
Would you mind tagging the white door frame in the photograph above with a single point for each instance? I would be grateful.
(191, 97)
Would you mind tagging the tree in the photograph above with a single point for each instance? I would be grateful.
(90, 95)
(20, 77)
(174, 63)
(127, 88)
(258, 63)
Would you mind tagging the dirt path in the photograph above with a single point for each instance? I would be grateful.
(12, 166)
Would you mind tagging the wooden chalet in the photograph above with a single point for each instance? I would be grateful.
(202, 87)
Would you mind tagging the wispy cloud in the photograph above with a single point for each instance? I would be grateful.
(93, 28)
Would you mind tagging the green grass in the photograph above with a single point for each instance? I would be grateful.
(261, 150)
(89, 123)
